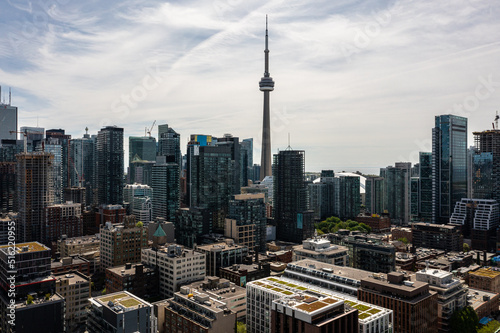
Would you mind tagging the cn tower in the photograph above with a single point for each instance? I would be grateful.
(266, 85)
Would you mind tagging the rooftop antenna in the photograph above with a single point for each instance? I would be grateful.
(86, 130)
(288, 148)
(496, 120)
(10, 98)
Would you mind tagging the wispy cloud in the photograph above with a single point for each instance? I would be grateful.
(356, 82)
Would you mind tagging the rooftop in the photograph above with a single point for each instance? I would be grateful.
(310, 299)
(81, 240)
(486, 272)
(124, 271)
(220, 246)
(477, 297)
(349, 272)
(73, 277)
(121, 301)
(26, 247)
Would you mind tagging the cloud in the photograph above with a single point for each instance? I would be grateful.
(356, 83)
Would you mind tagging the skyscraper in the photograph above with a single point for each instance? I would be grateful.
(169, 144)
(110, 165)
(142, 155)
(83, 171)
(165, 184)
(397, 191)
(59, 137)
(8, 121)
(35, 191)
(209, 177)
(425, 187)
(293, 222)
(266, 85)
(449, 165)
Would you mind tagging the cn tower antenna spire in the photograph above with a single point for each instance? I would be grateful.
(266, 85)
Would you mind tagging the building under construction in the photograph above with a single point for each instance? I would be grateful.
(486, 175)
(35, 191)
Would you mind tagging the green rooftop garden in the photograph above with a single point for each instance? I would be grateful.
(363, 315)
(361, 307)
(131, 302)
(113, 297)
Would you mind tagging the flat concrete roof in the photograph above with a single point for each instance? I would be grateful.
(352, 273)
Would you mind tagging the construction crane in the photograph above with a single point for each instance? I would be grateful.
(25, 134)
(149, 132)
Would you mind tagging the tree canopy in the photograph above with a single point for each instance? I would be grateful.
(464, 321)
(334, 224)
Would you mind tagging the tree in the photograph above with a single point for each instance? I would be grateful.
(103, 291)
(466, 247)
(464, 321)
(403, 239)
(241, 327)
(47, 297)
(491, 327)
(29, 300)
(139, 224)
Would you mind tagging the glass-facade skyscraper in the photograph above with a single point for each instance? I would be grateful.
(294, 222)
(110, 165)
(449, 165)
(486, 165)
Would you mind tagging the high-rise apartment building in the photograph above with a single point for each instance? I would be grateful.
(374, 200)
(322, 195)
(74, 287)
(233, 143)
(210, 178)
(246, 149)
(7, 186)
(192, 223)
(59, 137)
(397, 191)
(82, 163)
(35, 191)
(425, 187)
(347, 197)
(165, 185)
(449, 165)
(293, 221)
(110, 165)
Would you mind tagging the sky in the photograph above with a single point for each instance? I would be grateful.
(357, 83)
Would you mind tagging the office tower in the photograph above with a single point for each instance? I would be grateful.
(83, 171)
(165, 184)
(141, 172)
(224, 254)
(486, 161)
(169, 144)
(414, 198)
(120, 312)
(62, 219)
(397, 191)
(35, 191)
(322, 195)
(233, 143)
(425, 187)
(293, 222)
(479, 220)
(210, 178)
(122, 243)
(175, 257)
(449, 165)
(347, 197)
(266, 85)
(374, 195)
(413, 302)
(250, 209)
(8, 121)
(246, 148)
(110, 165)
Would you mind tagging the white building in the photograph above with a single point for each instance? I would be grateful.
(323, 250)
(177, 266)
(140, 199)
(452, 294)
(262, 293)
(485, 213)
